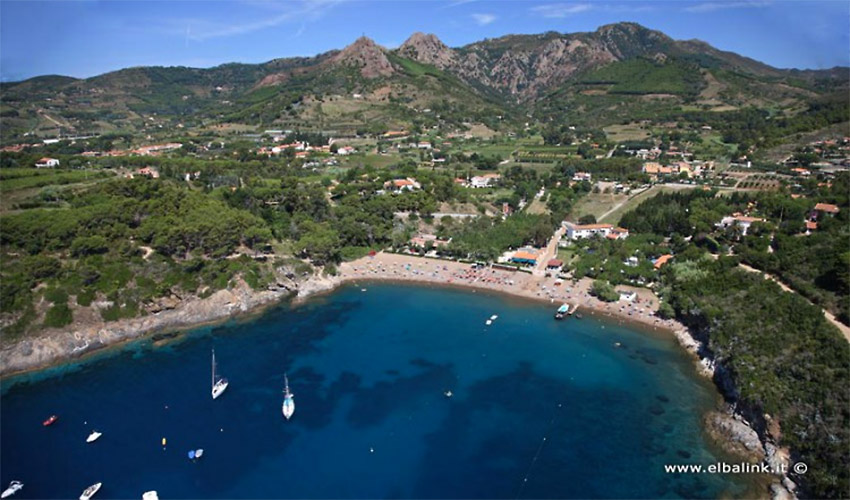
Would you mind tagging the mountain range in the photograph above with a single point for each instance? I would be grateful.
(619, 72)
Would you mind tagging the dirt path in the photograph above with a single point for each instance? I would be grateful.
(845, 330)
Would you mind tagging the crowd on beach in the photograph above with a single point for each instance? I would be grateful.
(387, 266)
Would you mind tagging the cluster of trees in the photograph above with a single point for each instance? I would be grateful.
(94, 247)
(624, 169)
(782, 357)
(486, 238)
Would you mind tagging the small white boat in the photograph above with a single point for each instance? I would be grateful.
(14, 487)
(218, 386)
(150, 495)
(90, 491)
(199, 453)
(488, 322)
(94, 436)
(288, 407)
(494, 317)
(448, 394)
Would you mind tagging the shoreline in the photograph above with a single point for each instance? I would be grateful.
(241, 302)
(56, 347)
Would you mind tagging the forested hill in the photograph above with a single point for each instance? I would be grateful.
(620, 70)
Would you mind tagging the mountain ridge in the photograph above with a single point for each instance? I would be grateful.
(599, 76)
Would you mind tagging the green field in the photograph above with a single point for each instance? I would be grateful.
(13, 179)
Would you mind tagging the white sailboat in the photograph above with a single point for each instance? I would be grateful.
(94, 436)
(288, 407)
(218, 386)
(14, 487)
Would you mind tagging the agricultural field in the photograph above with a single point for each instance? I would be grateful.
(13, 179)
(627, 132)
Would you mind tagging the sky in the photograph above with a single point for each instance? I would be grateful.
(86, 38)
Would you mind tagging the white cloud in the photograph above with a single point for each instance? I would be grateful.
(483, 19)
(713, 6)
(307, 10)
(560, 10)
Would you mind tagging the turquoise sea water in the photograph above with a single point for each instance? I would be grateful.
(369, 371)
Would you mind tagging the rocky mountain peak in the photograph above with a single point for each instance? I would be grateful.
(428, 49)
(367, 55)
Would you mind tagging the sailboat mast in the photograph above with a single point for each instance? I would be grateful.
(213, 368)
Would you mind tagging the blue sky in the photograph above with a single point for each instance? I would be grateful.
(86, 38)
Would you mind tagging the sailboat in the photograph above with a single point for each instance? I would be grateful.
(288, 407)
(218, 386)
(14, 487)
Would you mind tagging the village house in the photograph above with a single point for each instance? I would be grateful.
(400, 185)
(423, 240)
(47, 163)
(346, 150)
(655, 169)
(742, 221)
(424, 145)
(660, 261)
(582, 176)
(148, 172)
(825, 208)
(580, 231)
(484, 181)
(555, 264)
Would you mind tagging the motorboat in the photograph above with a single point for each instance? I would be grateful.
(90, 491)
(50, 421)
(150, 495)
(288, 407)
(94, 436)
(562, 311)
(14, 487)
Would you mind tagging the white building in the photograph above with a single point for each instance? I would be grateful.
(581, 176)
(578, 231)
(741, 221)
(47, 163)
(484, 181)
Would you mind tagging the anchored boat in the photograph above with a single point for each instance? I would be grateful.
(288, 407)
(562, 311)
(14, 487)
(90, 491)
(218, 386)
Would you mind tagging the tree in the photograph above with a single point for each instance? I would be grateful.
(587, 219)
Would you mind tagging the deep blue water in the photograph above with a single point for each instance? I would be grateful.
(368, 371)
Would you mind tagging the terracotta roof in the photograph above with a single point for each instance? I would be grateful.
(525, 255)
(827, 207)
(592, 226)
(811, 225)
(749, 219)
(660, 261)
(555, 263)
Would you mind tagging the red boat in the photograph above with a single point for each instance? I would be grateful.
(50, 420)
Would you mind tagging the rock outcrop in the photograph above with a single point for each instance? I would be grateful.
(366, 55)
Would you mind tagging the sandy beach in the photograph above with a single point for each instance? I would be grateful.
(388, 266)
(397, 267)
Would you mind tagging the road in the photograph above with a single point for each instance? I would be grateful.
(549, 253)
(844, 329)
